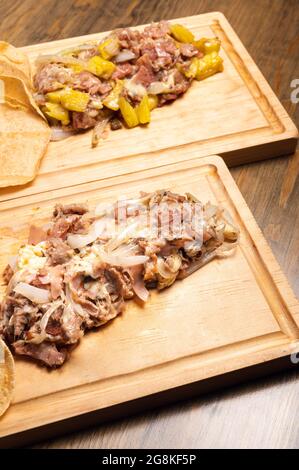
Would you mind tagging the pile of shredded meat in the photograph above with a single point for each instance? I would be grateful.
(76, 273)
(153, 66)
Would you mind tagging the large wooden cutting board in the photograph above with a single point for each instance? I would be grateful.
(234, 113)
(233, 316)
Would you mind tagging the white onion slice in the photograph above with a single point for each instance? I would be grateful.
(124, 261)
(140, 290)
(157, 88)
(35, 294)
(76, 240)
(124, 56)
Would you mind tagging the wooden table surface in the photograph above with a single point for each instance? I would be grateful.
(264, 413)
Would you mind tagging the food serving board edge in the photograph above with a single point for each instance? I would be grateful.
(235, 318)
(234, 113)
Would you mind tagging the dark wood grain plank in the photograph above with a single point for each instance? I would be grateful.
(264, 413)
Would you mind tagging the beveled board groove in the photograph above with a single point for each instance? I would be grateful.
(234, 113)
(239, 311)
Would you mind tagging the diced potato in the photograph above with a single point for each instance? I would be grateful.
(143, 111)
(109, 48)
(192, 70)
(75, 100)
(208, 45)
(77, 68)
(181, 33)
(111, 101)
(209, 65)
(200, 44)
(56, 111)
(101, 67)
(153, 101)
(128, 112)
(212, 45)
(55, 96)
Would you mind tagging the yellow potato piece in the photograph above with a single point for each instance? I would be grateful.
(181, 33)
(128, 113)
(143, 111)
(101, 67)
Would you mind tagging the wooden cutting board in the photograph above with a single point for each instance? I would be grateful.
(234, 113)
(236, 316)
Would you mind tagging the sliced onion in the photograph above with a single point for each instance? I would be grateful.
(35, 294)
(77, 240)
(124, 56)
(157, 88)
(124, 261)
(140, 289)
(59, 134)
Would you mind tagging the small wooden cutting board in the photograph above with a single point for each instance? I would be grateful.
(234, 113)
(235, 316)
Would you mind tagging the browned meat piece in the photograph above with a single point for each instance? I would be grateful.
(70, 209)
(54, 326)
(144, 76)
(86, 81)
(20, 320)
(7, 274)
(122, 280)
(62, 226)
(58, 251)
(129, 39)
(47, 353)
(17, 312)
(65, 219)
(156, 31)
(188, 50)
(82, 121)
(123, 70)
(51, 77)
(115, 124)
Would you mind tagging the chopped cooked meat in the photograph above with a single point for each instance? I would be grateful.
(115, 124)
(58, 251)
(82, 121)
(7, 274)
(70, 209)
(65, 219)
(78, 282)
(46, 353)
(52, 77)
(123, 70)
(86, 81)
(157, 30)
(188, 50)
(135, 60)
